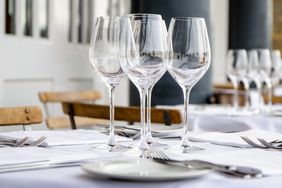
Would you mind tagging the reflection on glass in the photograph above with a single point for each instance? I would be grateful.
(26, 18)
(10, 16)
(43, 18)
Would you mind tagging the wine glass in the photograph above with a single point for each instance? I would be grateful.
(265, 72)
(189, 60)
(104, 57)
(237, 69)
(148, 132)
(254, 74)
(144, 57)
(275, 68)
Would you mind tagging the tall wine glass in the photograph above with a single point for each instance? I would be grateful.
(148, 132)
(237, 68)
(104, 57)
(189, 53)
(144, 61)
(265, 71)
(275, 68)
(254, 74)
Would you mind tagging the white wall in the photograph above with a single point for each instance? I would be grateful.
(220, 14)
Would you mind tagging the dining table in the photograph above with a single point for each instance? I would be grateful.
(74, 176)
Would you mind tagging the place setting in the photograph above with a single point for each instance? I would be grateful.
(119, 97)
(123, 47)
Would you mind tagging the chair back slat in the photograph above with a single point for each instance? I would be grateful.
(20, 115)
(130, 114)
(46, 97)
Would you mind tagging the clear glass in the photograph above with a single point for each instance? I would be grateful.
(237, 70)
(189, 60)
(254, 74)
(148, 132)
(265, 72)
(276, 65)
(104, 57)
(144, 57)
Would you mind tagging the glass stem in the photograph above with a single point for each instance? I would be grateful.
(269, 93)
(247, 93)
(235, 101)
(112, 141)
(143, 144)
(186, 93)
(148, 132)
(236, 96)
(260, 97)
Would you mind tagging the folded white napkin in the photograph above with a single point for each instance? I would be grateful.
(66, 137)
(234, 139)
(24, 158)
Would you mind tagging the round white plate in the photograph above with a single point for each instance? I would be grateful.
(140, 170)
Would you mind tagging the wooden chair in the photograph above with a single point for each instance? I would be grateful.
(129, 114)
(62, 121)
(223, 94)
(25, 116)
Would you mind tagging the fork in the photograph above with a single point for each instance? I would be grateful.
(238, 171)
(269, 144)
(15, 143)
(38, 141)
(265, 144)
(250, 142)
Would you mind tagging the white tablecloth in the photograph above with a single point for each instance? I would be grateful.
(223, 123)
(225, 119)
(73, 177)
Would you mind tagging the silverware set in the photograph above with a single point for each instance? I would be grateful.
(159, 155)
(276, 144)
(24, 142)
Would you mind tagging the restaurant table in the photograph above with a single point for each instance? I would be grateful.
(223, 123)
(223, 118)
(73, 177)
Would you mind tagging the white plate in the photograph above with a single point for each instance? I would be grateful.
(140, 170)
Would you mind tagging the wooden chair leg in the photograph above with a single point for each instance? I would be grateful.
(71, 116)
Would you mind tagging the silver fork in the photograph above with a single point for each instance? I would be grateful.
(250, 142)
(237, 171)
(269, 144)
(38, 141)
(15, 143)
(265, 144)
(22, 142)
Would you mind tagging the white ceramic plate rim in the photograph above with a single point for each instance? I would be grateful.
(96, 170)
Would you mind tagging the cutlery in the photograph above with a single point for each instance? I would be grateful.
(38, 142)
(22, 142)
(250, 142)
(276, 144)
(238, 171)
(269, 144)
(14, 143)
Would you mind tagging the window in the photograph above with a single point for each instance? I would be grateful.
(10, 16)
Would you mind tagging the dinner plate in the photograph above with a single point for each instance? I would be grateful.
(141, 170)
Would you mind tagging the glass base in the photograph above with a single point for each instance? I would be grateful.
(143, 146)
(180, 149)
(135, 152)
(108, 148)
